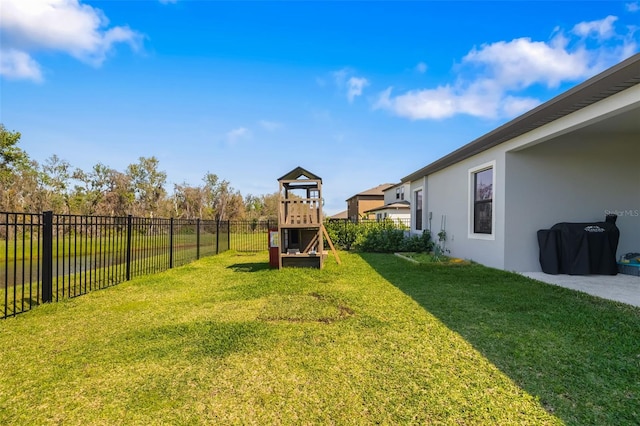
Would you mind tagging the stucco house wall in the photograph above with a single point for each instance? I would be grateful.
(401, 215)
(449, 198)
(367, 203)
(579, 178)
(360, 203)
(390, 195)
(573, 159)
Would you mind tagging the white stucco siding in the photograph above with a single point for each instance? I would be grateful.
(574, 178)
(392, 214)
(449, 200)
(390, 195)
(573, 169)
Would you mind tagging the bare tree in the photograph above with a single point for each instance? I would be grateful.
(147, 184)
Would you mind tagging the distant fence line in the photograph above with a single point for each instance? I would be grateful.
(46, 257)
(401, 223)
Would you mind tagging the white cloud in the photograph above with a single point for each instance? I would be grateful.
(79, 30)
(420, 104)
(491, 78)
(421, 67)
(479, 100)
(632, 7)
(340, 76)
(18, 65)
(235, 135)
(346, 80)
(602, 29)
(355, 86)
(270, 125)
(521, 62)
(512, 106)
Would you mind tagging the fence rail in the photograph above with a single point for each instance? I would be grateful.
(46, 257)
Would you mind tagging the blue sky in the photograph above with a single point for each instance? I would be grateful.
(359, 93)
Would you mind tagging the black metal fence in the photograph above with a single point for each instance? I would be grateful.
(251, 235)
(47, 257)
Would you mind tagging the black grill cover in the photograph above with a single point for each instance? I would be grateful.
(549, 243)
(579, 248)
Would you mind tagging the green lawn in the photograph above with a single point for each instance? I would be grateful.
(226, 340)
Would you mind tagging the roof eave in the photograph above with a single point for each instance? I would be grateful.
(609, 82)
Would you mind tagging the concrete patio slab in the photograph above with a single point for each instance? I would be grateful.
(621, 288)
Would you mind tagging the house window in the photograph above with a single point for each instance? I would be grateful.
(418, 205)
(397, 193)
(483, 201)
(402, 193)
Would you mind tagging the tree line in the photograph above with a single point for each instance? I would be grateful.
(29, 187)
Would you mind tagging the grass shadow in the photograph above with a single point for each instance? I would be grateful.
(249, 267)
(578, 354)
(193, 340)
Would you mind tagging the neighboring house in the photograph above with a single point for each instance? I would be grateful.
(396, 193)
(339, 216)
(395, 205)
(574, 158)
(358, 204)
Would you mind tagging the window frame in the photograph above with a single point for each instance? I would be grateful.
(473, 172)
(418, 210)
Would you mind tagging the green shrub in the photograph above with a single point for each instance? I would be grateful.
(383, 240)
(418, 243)
(384, 236)
(343, 234)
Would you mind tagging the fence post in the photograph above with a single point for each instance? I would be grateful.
(229, 234)
(217, 235)
(197, 238)
(47, 256)
(129, 228)
(170, 243)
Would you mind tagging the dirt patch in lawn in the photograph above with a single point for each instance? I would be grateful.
(312, 307)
